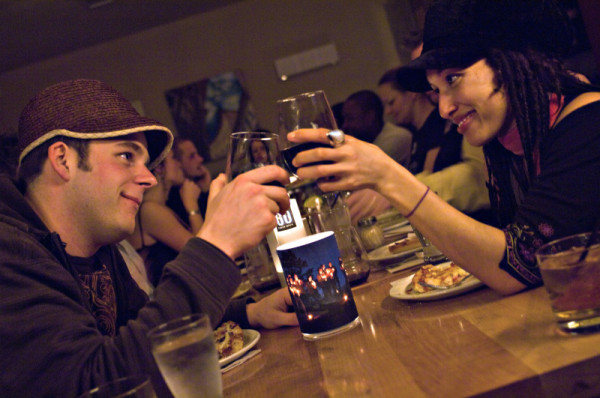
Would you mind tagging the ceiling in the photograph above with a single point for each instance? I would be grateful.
(34, 30)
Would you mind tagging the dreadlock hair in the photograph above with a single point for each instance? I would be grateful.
(528, 79)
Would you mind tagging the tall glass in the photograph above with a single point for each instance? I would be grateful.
(303, 111)
(318, 286)
(185, 352)
(335, 216)
(572, 282)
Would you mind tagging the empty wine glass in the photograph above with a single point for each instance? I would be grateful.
(305, 111)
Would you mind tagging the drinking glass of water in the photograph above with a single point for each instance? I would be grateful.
(304, 111)
(184, 350)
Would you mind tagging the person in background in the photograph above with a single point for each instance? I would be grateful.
(500, 80)
(68, 305)
(418, 113)
(136, 266)
(194, 170)
(336, 109)
(363, 119)
(159, 234)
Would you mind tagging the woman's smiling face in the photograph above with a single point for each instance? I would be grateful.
(470, 99)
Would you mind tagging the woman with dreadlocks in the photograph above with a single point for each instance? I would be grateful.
(495, 66)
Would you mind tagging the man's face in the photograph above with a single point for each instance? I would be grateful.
(191, 161)
(357, 122)
(106, 197)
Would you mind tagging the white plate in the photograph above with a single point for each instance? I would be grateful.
(251, 337)
(399, 286)
(383, 253)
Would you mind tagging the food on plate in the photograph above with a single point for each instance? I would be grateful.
(410, 242)
(443, 275)
(229, 339)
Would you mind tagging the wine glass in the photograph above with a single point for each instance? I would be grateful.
(247, 151)
(252, 149)
(308, 110)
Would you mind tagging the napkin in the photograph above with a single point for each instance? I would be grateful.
(397, 232)
(251, 354)
(412, 261)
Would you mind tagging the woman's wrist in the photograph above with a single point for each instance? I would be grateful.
(401, 188)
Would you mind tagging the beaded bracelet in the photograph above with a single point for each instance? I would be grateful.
(418, 204)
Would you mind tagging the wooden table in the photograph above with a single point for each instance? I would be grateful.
(476, 344)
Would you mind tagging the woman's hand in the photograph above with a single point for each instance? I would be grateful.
(356, 164)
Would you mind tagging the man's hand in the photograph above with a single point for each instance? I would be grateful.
(271, 311)
(242, 212)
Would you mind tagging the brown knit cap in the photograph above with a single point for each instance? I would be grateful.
(87, 109)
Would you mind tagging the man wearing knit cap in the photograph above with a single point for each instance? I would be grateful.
(71, 317)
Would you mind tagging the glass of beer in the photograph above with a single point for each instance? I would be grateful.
(572, 280)
(185, 352)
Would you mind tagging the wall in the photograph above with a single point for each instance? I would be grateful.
(248, 36)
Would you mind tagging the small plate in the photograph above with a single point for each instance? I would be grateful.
(383, 253)
(251, 337)
(399, 286)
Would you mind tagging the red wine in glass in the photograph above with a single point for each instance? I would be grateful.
(290, 153)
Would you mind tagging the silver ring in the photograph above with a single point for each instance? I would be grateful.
(336, 137)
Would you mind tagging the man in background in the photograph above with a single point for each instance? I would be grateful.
(363, 119)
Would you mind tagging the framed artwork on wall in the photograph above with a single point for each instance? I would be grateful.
(207, 111)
